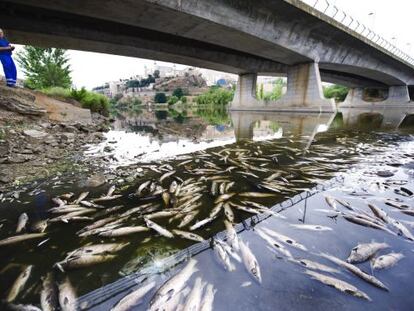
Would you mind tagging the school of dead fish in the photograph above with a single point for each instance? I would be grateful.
(178, 201)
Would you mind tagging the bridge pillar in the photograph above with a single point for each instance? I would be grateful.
(397, 95)
(304, 92)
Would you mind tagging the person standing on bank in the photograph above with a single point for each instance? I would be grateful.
(6, 60)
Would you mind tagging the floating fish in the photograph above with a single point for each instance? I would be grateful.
(193, 302)
(208, 299)
(311, 227)
(232, 238)
(19, 284)
(188, 235)
(173, 286)
(123, 231)
(358, 272)
(67, 296)
(164, 232)
(49, 300)
(386, 261)
(363, 252)
(133, 299)
(285, 239)
(22, 222)
(250, 262)
(222, 256)
(338, 284)
(21, 238)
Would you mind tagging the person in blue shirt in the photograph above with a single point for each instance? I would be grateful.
(6, 60)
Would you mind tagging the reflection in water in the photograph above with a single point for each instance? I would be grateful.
(256, 160)
(375, 117)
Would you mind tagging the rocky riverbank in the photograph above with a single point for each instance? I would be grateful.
(41, 136)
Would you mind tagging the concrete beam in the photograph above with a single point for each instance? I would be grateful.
(397, 96)
(304, 92)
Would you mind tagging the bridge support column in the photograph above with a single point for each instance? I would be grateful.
(245, 95)
(304, 90)
(397, 95)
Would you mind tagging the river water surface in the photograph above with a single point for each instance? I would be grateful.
(253, 160)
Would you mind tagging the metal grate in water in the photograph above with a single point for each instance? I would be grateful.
(111, 290)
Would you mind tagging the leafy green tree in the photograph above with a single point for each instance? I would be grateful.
(178, 92)
(277, 91)
(184, 100)
(216, 96)
(160, 98)
(337, 92)
(173, 100)
(45, 67)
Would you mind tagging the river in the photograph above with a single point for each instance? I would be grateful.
(288, 161)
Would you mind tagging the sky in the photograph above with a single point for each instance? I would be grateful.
(391, 19)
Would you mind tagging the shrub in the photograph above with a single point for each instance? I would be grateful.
(160, 98)
(178, 92)
(173, 100)
(216, 96)
(337, 92)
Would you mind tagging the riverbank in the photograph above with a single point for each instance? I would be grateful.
(39, 134)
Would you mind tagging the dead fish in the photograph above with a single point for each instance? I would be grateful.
(166, 198)
(222, 256)
(142, 187)
(228, 212)
(379, 213)
(162, 214)
(21, 238)
(98, 249)
(105, 198)
(58, 201)
(364, 222)
(49, 295)
(187, 219)
(232, 238)
(213, 189)
(22, 222)
(173, 187)
(81, 197)
(173, 286)
(331, 202)
(130, 301)
(201, 223)
(250, 262)
(311, 227)
(314, 265)
(345, 204)
(363, 252)
(216, 210)
(285, 239)
(174, 303)
(193, 302)
(162, 231)
(257, 194)
(224, 197)
(246, 209)
(386, 261)
(274, 244)
(83, 261)
(358, 272)
(19, 284)
(166, 175)
(188, 235)
(338, 284)
(401, 229)
(38, 226)
(67, 296)
(208, 299)
(67, 196)
(123, 231)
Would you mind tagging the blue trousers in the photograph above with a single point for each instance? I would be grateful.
(9, 69)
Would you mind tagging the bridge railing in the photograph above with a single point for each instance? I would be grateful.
(331, 10)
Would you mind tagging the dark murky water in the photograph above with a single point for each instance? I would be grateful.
(240, 150)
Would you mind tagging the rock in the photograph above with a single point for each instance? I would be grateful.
(5, 179)
(35, 134)
(18, 158)
(67, 137)
(4, 150)
(19, 100)
(108, 149)
(95, 181)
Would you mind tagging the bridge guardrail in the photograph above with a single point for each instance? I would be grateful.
(331, 10)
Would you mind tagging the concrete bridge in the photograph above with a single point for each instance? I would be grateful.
(245, 37)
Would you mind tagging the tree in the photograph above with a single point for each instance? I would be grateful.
(45, 67)
(337, 92)
(178, 92)
(173, 100)
(160, 98)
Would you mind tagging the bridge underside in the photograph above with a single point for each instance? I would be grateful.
(181, 32)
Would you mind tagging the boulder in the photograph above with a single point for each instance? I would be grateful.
(35, 134)
(95, 181)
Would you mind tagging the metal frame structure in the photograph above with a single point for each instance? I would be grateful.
(330, 10)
